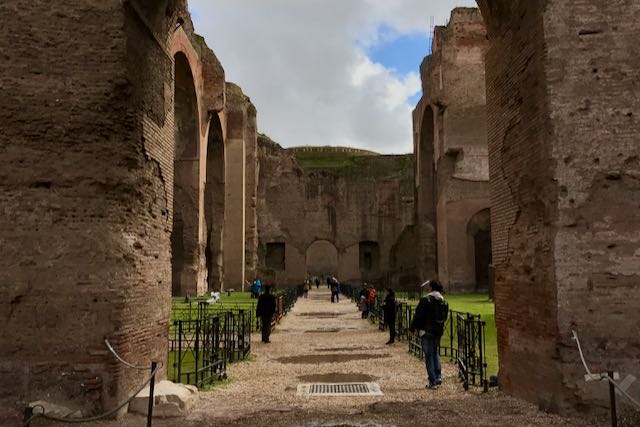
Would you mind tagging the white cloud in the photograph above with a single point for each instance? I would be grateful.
(303, 65)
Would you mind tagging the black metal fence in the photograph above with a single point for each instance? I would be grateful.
(463, 341)
(197, 353)
(203, 338)
(472, 364)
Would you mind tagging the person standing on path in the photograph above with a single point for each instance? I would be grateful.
(333, 284)
(307, 286)
(389, 310)
(265, 310)
(317, 282)
(429, 318)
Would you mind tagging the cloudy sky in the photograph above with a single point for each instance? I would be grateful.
(326, 72)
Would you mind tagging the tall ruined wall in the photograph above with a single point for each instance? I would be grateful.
(563, 153)
(240, 242)
(451, 146)
(251, 197)
(86, 188)
(368, 201)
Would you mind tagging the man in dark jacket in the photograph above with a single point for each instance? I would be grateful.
(428, 320)
(265, 310)
(389, 309)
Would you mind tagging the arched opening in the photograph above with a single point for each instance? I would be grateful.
(426, 194)
(322, 258)
(369, 259)
(479, 237)
(214, 204)
(184, 235)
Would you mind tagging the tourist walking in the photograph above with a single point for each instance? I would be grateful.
(371, 299)
(429, 318)
(317, 282)
(362, 301)
(305, 290)
(265, 310)
(333, 284)
(255, 288)
(389, 311)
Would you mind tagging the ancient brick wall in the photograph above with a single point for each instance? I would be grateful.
(592, 72)
(563, 154)
(87, 193)
(451, 143)
(521, 205)
(363, 208)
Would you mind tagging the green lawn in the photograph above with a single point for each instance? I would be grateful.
(181, 310)
(478, 304)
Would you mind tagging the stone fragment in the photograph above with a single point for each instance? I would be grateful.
(54, 410)
(170, 400)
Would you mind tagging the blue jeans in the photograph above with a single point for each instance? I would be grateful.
(430, 346)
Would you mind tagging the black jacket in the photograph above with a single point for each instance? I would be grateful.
(425, 316)
(389, 308)
(266, 306)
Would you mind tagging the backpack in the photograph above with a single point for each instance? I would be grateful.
(440, 313)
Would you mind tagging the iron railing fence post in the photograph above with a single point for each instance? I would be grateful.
(178, 357)
(151, 390)
(612, 399)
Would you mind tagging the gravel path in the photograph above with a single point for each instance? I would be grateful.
(335, 341)
(337, 346)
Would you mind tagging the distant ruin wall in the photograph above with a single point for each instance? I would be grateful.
(354, 208)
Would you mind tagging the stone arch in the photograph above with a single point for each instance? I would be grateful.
(214, 203)
(321, 258)
(185, 246)
(479, 247)
(425, 203)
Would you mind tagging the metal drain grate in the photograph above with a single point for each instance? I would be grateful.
(337, 389)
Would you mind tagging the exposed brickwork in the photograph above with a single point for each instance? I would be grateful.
(453, 170)
(592, 69)
(522, 196)
(86, 194)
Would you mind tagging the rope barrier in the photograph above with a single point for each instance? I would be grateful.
(124, 362)
(90, 419)
(106, 414)
(608, 378)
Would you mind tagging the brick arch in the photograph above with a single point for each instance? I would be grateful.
(185, 236)
(425, 191)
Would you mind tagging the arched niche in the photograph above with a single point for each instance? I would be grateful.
(214, 202)
(479, 238)
(184, 235)
(322, 258)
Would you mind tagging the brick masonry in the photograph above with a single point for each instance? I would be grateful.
(87, 191)
(562, 120)
(451, 146)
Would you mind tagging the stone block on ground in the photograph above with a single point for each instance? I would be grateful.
(170, 400)
(54, 410)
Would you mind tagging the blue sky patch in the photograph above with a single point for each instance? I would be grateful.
(401, 53)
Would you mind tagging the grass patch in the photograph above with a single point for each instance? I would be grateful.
(181, 310)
